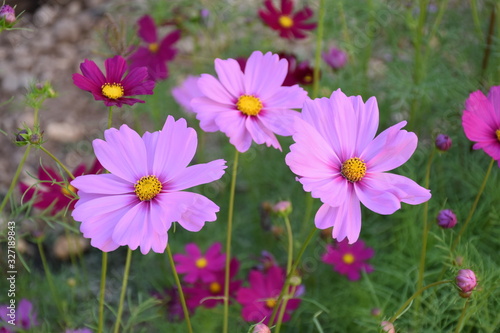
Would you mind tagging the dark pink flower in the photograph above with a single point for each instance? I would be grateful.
(112, 88)
(52, 192)
(349, 259)
(290, 25)
(443, 142)
(261, 297)
(22, 313)
(199, 267)
(155, 54)
(446, 219)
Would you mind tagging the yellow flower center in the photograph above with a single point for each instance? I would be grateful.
(285, 21)
(271, 303)
(112, 90)
(201, 262)
(153, 47)
(147, 188)
(348, 258)
(215, 287)
(69, 190)
(249, 105)
(353, 169)
(308, 78)
(497, 132)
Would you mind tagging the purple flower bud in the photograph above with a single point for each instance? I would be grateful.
(466, 281)
(8, 14)
(335, 58)
(283, 207)
(443, 142)
(446, 219)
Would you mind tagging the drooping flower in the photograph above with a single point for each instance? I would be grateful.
(349, 259)
(155, 54)
(199, 267)
(340, 161)
(481, 121)
(8, 14)
(335, 58)
(21, 314)
(466, 282)
(136, 203)
(443, 142)
(446, 219)
(261, 297)
(248, 106)
(289, 24)
(52, 192)
(186, 92)
(113, 88)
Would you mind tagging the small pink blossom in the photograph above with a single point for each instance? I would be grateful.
(335, 58)
(21, 312)
(199, 267)
(186, 92)
(388, 327)
(349, 259)
(466, 282)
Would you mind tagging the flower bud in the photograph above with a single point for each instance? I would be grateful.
(443, 142)
(446, 219)
(8, 14)
(261, 328)
(283, 208)
(20, 136)
(335, 58)
(388, 327)
(466, 282)
(376, 312)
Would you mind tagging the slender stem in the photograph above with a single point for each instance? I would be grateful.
(58, 162)
(474, 205)
(317, 55)
(462, 317)
(124, 289)
(179, 289)
(110, 117)
(104, 268)
(489, 40)
(409, 300)
(15, 178)
(228, 241)
(475, 18)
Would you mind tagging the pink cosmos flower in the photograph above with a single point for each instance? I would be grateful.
(155, 54)
(248, 106)
(186, 92)
(198, 267)
(260, 299)
(112, 88)
(23, 315)
(290, 25)
(481, 121)
(340, 161)
(52, 191)
(335, 58)
(349, 259)
(466, 282)
(136, 203)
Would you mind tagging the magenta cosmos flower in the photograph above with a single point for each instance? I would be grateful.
(199, 267)
(136, 203)
(52, 191)
(290, 25)
(261, 297)
(349, 259)
(340, 161)
(481, 121)
(155, 54)
(23, 316)
(186, 92)
(250, 105)
(112, 88)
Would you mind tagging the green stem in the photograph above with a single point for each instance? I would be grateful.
(15, 178)
(58, 162)
(476, 19)
(110, 117)
(462, 317)
(489, 41)
(104, 268)
(317, 55)
(474, 205)
(179, 289)
(124, 289)
(228, 241)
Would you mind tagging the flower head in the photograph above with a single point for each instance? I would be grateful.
(248, 106)
(8, 14)
(481, 121)
(113, 88)
(446, 219)
(349, 259)
(186, 92)
(136, 203)
(22, 314)
(290, 25)
(335, 58)
(388, 327)
(443, 142)
(199, 267)
(155, 53)
(261, 328)
(466, 282)
(53, 192)
(339, 160)
(261, 297)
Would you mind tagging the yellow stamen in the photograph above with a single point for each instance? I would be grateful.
(285, 21)
(308, 78)
(112, 90)
(201, 262)
(249, 105)
(497, 132)
(348, 258)
(353, 169)
(215, 287)
(271, 303)
(147, 188)
(153, 47)
(69, 191)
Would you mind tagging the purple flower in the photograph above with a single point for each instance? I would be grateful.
(446, 219)
(8, 14)
(349, 259)
(112, 88)
(186, 92)
(198, 267)
(290, 25)
(22, 313)
(136, 203)
(335, 58)
(443, 142)
(155, 54)
(339, 160)
(466, 282)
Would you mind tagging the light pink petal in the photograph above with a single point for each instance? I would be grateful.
(286, 98)
(197, 174)
(230, 76)
(186, 92)
(331, 191)
(378, 200)
(279, 121)
(368, 118)
(103, 184)
(345, 124)
(207, 111)
(91, 205)
(128, 230)
(390, 149)
(264, 74)
(260, 134)
(195, 209)
(233, 125)
(213, 89)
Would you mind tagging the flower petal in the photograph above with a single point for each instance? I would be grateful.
(260, 134)
(103, 184)
(92, 72)
(264, 74)
(213, 89)
(115, 68)
(230, 76)
(197, 174)
(195, 209)
(368, 118)
(232, 124)
(147, 29)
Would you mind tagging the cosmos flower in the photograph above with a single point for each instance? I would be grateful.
(335, 58)
(349, 259)
(249, 106)
(136, 203)
(155, 54)
(260, 298)
(466, 282)
(186, 92)
(8, 14)
(290, 25)
(446, 219)
(24, 316)
(481, 121)
(198, 267)
(52, 191)
(112, 88)
(340, 161)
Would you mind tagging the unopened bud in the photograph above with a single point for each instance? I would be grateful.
(446, 219)
(466, 282)
(8, 14)
(443, 142)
